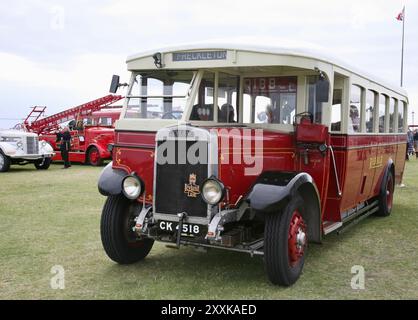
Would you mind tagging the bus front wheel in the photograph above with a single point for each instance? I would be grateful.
(285, 243)
(119, 241)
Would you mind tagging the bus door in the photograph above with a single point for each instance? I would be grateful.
(370, 163)
(373, 153)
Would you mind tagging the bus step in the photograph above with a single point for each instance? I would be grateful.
(330, 226)
(357, 220)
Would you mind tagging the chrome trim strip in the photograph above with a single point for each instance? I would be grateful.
(368, 146)
(175, 218)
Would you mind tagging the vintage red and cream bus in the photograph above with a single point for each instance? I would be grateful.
(249, 149)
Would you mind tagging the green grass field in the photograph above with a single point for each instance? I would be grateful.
(52, 218)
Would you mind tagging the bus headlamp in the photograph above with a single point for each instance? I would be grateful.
(213, 191)
(132, 187)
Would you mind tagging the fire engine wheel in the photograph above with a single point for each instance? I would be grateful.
(119, 241)
(94, 158)
(4, 162)
(43, 164)
(386, 195)
(285, 243)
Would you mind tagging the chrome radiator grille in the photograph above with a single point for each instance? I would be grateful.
(170, 195)
(32, 145)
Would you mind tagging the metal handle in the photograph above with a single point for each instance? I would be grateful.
(335, 172)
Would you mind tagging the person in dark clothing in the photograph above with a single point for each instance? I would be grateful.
(410, 144)
(416, 142)
(64, 139)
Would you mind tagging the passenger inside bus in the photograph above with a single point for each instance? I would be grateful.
(202, 112)
(354, 120)
(227, 114)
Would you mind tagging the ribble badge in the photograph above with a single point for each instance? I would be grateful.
(192, 189)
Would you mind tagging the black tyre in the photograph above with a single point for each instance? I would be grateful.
(4, 162)
(386, 195)
(119, 241)
(93, 157)
(43, 164)
(285, 243)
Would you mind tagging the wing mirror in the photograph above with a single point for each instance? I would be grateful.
(115, 84)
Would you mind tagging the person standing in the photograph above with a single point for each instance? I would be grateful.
(64, 139)
(410, 144)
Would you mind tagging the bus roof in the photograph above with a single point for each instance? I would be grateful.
(296, 50)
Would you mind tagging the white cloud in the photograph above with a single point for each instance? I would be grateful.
(85, 75)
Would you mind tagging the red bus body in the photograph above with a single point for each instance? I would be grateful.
(360, 163)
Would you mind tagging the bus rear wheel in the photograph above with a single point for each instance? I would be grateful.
(386, 195)
(120, 243)
(94, 158)
(285, 243)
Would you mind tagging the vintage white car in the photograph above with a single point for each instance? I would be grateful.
(20, 147)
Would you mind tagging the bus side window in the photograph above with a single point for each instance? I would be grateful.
(355, 109)
(393, 102)
(401, 112)
(382, 113)
(336, 110)
(370, 108)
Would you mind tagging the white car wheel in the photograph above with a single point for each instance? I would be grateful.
(4, 162)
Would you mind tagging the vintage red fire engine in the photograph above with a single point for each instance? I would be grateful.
(91, 125)
(255, 150)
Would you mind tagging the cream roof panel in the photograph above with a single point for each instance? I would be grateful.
(242, 54)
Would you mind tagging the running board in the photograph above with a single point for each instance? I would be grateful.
(359, 216)
(330, 226)
(351, 220)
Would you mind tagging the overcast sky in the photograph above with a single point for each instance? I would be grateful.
(63, 53)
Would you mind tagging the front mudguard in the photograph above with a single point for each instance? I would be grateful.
(110, 181)
(272, 191)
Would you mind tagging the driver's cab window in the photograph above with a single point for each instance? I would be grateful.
(203, 109)
(159, 94)
(317, 93)
(270, 100)
(228, 98)
(105, 121)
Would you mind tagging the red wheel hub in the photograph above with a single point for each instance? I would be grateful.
(297, 238)
(389, 192)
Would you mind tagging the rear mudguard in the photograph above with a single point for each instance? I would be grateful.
(273, 190)
(110, 181)
(381, 185)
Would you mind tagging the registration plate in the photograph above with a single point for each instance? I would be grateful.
(189, 229)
